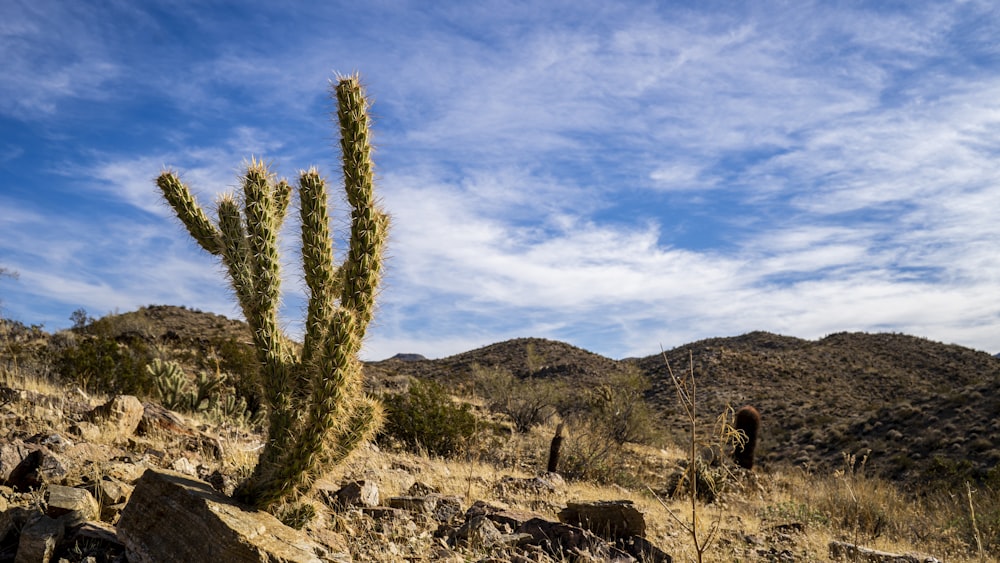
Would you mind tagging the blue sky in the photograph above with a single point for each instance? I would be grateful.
(617, 175)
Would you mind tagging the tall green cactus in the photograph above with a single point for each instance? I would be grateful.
(317, 407)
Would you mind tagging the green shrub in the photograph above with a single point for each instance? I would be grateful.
(103, 365)
(426, 417)
(239, 360)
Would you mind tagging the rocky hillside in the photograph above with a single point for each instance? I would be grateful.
(923, 409)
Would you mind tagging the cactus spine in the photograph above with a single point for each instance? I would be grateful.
(318, 412)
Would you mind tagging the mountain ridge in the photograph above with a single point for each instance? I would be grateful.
(919, 409)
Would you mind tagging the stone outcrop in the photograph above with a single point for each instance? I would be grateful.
(120, 416)
(844, 551)
(173, 517)
(613, 520)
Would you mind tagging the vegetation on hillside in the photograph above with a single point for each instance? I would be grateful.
(847, 498)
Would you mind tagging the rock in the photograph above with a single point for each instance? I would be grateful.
(38, 541)
(615, 519)
(418, 489)
(416, 505)
(843, 551)
(355, 493)
(78, 504)
(86, 430)
(157, 420)
(384, 513)
(120, 416)
(440, 507)
(11, 455)
(447, 509)
(15, 519)
(173, 517)
(644, 551)
(558, 540)
(185, 466)
(110, 490)
(478, 532)
(504, 517)
(39, 467)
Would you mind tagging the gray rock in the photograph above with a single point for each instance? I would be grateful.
(173, 517)
(76, 505)
(11, 455)
(478, 532)
(39, 467)
(843, 551)
(613, 519)
(38, 541)
(354, 493)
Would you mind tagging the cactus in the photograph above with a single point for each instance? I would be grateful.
(747, 422)
(318, 412)
(170, 383)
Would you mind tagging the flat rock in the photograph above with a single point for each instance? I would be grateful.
(174, 517)
(844, 551)
(613, 519)
(78, 503)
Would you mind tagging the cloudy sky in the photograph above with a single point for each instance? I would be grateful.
(617, 175)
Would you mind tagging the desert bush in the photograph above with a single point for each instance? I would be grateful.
(101, 364)
(619, 410)
(239, 360)
(176, 391)
(528, 402)
(866, 506)
(426, 417)
(588, 455)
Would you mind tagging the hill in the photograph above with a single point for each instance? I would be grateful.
(924, 410)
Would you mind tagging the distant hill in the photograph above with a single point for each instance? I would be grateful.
(924, 409)
(169, 323)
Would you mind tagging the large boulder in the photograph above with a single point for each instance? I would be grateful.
(173, 517)
(119, 417)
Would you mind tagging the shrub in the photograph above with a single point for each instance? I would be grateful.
(103, 365)
(528, 402)
(619, 410)
(426, 417)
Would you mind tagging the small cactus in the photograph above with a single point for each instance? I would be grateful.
(170, 383)
(747, 422)
(318, 412)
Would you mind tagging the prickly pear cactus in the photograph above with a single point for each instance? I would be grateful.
(318, 412)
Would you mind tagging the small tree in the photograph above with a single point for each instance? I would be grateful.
(318, 412)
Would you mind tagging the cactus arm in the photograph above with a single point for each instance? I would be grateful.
(265, 269)
(317, 260)
(235, 252)
(197, 223)
(282, 199)
(362, 267)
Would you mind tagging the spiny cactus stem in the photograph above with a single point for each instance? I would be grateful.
(197, 223)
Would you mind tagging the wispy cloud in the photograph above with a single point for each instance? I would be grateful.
(619, 176)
